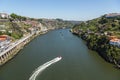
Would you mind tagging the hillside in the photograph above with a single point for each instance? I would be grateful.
(102, 35)
(13, 29)
(56, 23)
(16, 26)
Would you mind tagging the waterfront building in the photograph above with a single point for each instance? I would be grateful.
(115, 42)
(4, 42)
(4, 15)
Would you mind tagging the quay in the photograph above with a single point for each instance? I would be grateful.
(15, 47)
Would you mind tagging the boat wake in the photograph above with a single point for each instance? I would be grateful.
(43, 67)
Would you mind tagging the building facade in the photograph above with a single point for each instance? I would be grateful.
(4, 15)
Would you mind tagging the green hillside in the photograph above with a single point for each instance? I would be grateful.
(97, 34)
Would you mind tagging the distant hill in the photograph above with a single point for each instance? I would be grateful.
(75, 22)
(57, 23)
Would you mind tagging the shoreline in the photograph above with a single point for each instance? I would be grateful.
(12, 51)
(105, 57)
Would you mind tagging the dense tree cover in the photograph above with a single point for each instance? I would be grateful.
(93, 32)
(17, 17)
(101, 24)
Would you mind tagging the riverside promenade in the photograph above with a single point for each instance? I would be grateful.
(14, 48)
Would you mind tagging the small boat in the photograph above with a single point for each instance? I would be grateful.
(59, 57)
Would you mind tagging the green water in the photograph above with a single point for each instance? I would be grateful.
(78, 63)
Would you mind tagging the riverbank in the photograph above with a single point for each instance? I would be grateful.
(102, 35)
(15, 47)
(100, 44)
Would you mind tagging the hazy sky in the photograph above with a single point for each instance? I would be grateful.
(65, 9)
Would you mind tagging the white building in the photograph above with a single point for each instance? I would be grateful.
(43, 28)
(4, 15)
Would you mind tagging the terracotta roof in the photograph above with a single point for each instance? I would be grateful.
(3, 36)
(115, 40)
(3, 39)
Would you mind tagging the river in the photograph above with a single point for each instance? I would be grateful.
(77, 63)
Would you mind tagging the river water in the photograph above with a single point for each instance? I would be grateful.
(77, 63)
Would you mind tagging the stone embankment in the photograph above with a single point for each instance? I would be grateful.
(15, 47)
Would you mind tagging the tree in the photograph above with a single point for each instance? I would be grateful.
(20, 18)
(14, 16)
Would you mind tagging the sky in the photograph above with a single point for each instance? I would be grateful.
(64, 9)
